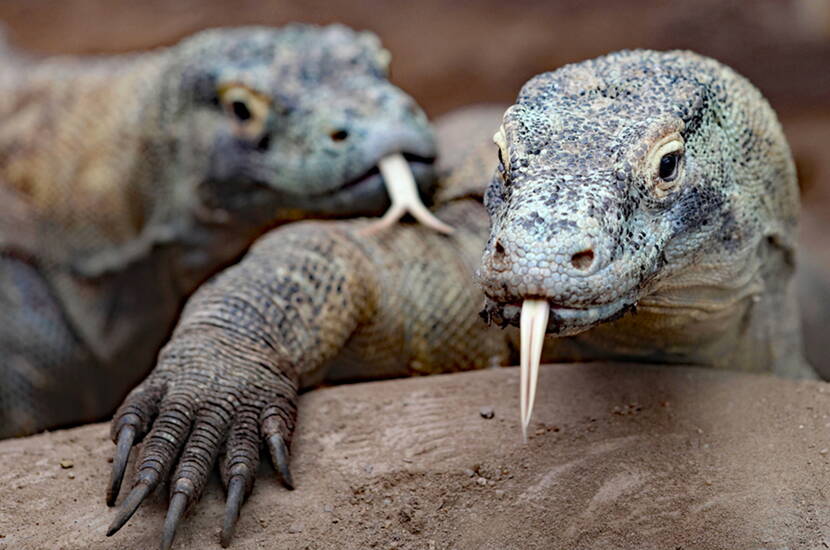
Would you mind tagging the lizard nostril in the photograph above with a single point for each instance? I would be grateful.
(583, 260)
(498, 259)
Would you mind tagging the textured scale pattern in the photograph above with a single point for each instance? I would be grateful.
(582, 218)
(578, 217)
(311, 302)
(127, 181)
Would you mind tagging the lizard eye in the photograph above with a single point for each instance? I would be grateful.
(666, 162)
(668, 166)
(384, 58)
(241, 110)
(248, 109)
(502, 171)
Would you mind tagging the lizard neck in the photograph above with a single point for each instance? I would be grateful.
(211, 241)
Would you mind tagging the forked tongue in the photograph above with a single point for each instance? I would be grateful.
(400, 184)
(534, 321)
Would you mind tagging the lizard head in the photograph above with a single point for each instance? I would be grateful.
(656, 180)
(619, 173)
(290, 122)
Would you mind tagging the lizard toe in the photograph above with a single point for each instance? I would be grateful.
(129, 425)
(130, 505)
(277, 423)
(178, 503)
(278, 450)
(126, 438)
(159, 451)
(236, 496)
(239, 466)
(197, 459)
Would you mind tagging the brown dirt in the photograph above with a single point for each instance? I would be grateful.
(620, 457)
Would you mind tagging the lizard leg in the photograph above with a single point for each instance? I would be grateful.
(226, 384)
(196, 419)
(228, 380)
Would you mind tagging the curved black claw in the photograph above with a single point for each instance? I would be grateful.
(279, 456)
(126, 438)
(171, 522)
(236, 494)
(129, 506)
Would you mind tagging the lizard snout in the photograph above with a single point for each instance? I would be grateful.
(570, 255)
(569, 267)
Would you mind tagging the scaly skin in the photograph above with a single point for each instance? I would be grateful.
(583, 218)
(580, 217)
(309, 302)
(127, 181)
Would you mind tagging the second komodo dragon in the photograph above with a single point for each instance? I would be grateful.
(647, 180)
(126, 181)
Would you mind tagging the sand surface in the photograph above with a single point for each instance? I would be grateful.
(619, 457)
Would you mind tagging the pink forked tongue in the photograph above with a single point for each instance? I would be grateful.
(403, 192)
(534, 321)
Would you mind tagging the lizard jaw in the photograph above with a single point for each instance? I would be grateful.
(562, 321)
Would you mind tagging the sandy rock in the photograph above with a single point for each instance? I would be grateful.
(619, 457)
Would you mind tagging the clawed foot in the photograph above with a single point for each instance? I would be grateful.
(190, 420)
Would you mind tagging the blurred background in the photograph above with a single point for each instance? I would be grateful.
(451, 53)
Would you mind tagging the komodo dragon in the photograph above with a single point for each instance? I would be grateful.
(647, 179)
(126, 181)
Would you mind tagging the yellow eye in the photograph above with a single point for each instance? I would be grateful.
(247, 107)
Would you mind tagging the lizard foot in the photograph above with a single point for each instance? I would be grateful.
(189, 422)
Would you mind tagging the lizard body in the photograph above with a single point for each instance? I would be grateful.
(575, 195)
(127, 181)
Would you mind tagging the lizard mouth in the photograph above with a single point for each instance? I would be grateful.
(399, 174)
(402, 175)
(418, 164)
(562, 320)
(394, 183)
